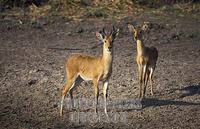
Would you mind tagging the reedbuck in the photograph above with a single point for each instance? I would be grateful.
(146, 58)
(91, 68)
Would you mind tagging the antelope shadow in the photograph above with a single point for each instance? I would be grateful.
(186, 91)
(148, 102)
(190, 90)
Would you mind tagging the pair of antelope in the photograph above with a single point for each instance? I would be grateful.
(99, 68)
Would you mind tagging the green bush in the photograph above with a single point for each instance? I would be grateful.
(100, 12)
(7, 4)
(158, 3)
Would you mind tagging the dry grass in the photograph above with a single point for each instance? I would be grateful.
(84, 9)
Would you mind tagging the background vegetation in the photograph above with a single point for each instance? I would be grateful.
(32, 10)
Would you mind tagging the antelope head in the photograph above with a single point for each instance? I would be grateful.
(107, 38)
(138, 30)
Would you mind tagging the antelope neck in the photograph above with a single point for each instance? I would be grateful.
(140, 47)
(107, 57)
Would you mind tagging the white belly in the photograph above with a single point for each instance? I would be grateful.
(85, 78)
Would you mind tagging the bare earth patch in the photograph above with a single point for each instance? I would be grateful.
(32, 74)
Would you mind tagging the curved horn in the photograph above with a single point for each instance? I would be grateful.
(104, 32)
(112, 30)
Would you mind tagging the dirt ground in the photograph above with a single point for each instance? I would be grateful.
(32, 73)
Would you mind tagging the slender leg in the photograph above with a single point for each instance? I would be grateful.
(151, 80)
(147, 76)
(140, 79)
(76, 83)
(144, 80)
(71, 97)
(65, 90)
(105, 89)
(96, 93)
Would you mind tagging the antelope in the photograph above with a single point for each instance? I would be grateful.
(91, 68)
(146, 58)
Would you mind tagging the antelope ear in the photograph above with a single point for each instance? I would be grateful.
(145, 26)
(99, 36)
(116, 33)
(131, 27)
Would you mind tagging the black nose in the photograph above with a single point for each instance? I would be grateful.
(109, 48)
(136, 37)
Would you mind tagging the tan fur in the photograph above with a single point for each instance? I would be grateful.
(91, 68)
(146, 59)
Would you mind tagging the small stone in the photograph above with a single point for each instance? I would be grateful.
(55, 106)
(32, 82)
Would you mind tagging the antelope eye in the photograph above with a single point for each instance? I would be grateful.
(105, 41)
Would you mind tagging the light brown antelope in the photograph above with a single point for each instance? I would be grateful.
(91, 68)
(146, 58)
